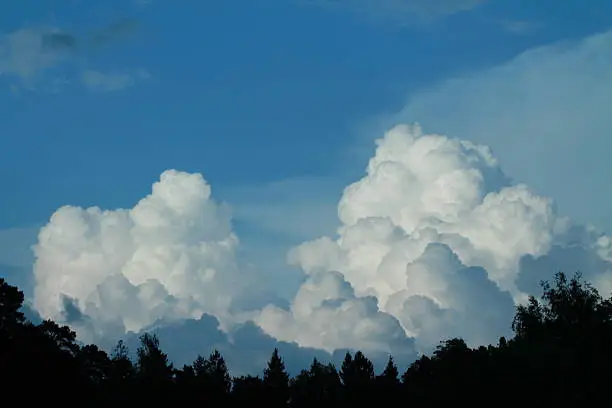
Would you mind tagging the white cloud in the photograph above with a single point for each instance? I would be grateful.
(172, 255)
(436, 233)
(327, 315)
(434, 241)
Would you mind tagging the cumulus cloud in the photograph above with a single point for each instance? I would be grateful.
(439, 237)
(435, 241)
(172, 255)
(326, 314)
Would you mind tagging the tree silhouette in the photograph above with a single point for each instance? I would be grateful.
(154, 372)
(209, 378)
(249, 390)
(11, 301)
(319, 386)
(560, 355)
(357, 374)
(276, 381)
(152, 361)
(390, 375)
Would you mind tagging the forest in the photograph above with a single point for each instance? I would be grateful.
(559, 355)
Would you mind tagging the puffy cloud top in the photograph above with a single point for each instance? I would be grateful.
(172, 255)
(436, 233)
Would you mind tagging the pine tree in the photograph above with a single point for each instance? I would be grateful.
(276, 380)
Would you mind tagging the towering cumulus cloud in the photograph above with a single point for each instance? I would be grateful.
(437, 235)
(172, 255)
(434, 241)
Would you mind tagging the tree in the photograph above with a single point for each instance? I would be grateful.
(11, 301)
(319, 386)
(152, 362)
(95, 363)
(63, 337)
(390, 375)
(346, 368)
(570, 308)
(276, 380)
(212, 375)
(357, 371)
(248, 390)
(122, 368)
(357, 374)
(567, 330)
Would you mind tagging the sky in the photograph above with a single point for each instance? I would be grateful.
(311, 175)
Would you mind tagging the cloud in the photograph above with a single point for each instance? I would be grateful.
(171, 256)
(27, 52)
(402, 10)
(438, 236)
(326, 314)
(246, 349)
(111, 82)
(545, 114)
(519, 27)
(116, 31)
(434, 241)
(31, 54)
(174, 257)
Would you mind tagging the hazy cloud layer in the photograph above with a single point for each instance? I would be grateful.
(545, 114)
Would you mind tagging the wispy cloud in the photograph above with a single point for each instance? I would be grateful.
(29, 56)
(117, 31)
(110, 82)
(27, 52)
(407, 11)
(519, 27)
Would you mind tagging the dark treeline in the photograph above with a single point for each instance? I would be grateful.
(560, 355)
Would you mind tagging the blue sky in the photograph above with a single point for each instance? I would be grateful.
(244, 93)
(278, 103)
